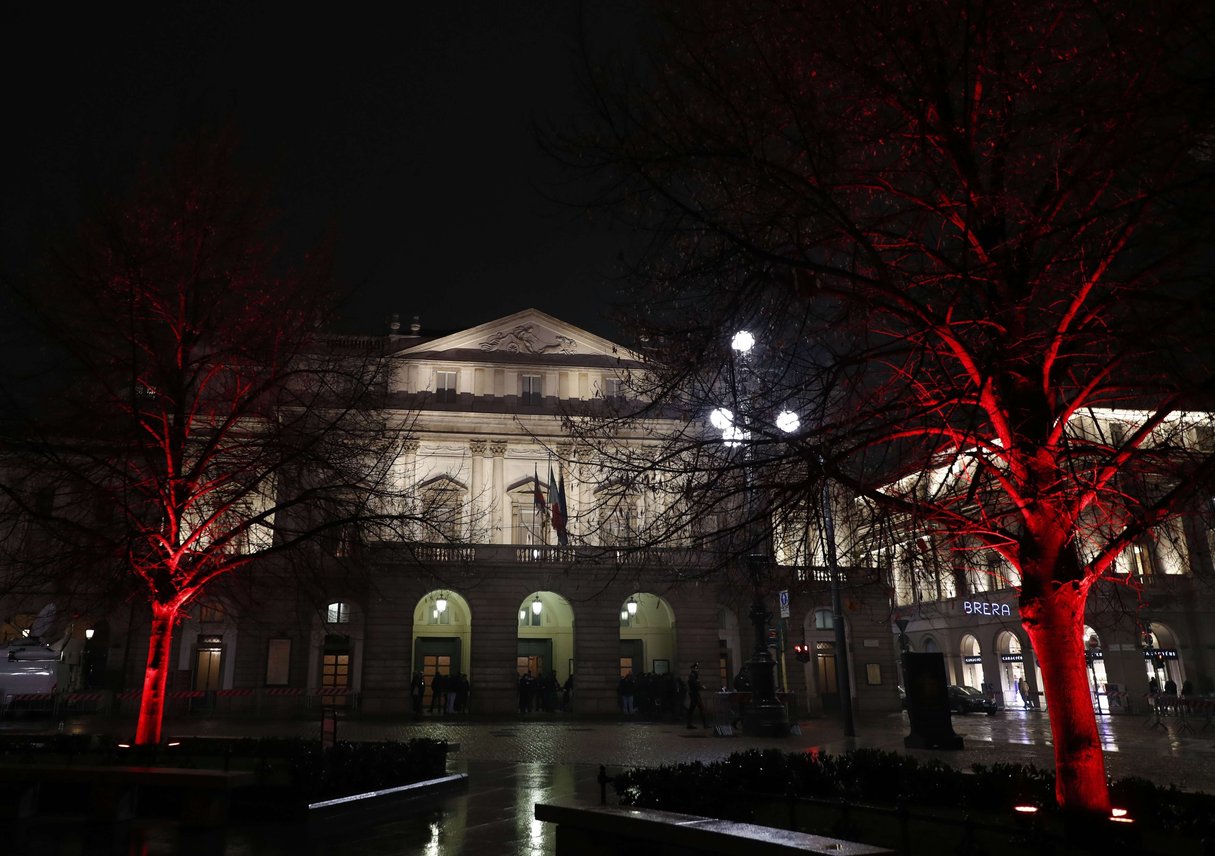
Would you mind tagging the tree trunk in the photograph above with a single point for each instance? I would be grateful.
(155, 676)
(1055, 623)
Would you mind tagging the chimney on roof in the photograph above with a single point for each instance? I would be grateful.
(394, 326)
(415, 327)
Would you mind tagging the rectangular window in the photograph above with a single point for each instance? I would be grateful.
(445, 387)
(278, 662)
(337, 613)
(533, 390)
(613, 388)
(529, 525)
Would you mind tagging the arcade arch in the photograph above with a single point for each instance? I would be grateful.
(972, 663)
(1161, 655)
(546, 636)
(647, 635)
(442, 633)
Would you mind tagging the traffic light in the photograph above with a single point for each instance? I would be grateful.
(802, 651)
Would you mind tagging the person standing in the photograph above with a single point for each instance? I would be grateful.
(694, 696)
(1023, 688)
(628, 687)
(567, 694)
(417, 689)
(438, 692)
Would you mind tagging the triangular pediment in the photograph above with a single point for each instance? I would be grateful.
(520, 337)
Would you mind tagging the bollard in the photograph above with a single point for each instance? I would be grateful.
(603, 783)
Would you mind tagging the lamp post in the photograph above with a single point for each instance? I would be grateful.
(843, 676)
(764, 715)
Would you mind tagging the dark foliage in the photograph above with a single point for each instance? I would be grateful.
(734, 788)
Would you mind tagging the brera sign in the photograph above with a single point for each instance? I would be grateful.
(976, 607)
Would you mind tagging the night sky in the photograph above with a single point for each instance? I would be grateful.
(409, 134)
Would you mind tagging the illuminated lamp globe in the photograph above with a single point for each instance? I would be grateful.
(624, 615)
(742, 341)
(537, 605)
(441, 603)
(721, 419)
(88, 634)
(788, 421)
(631, 606)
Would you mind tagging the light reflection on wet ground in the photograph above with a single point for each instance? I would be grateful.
(514, 764)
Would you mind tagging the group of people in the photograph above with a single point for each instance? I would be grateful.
(545, 693)
(1170, 688)
(662, 696)
(448, 693)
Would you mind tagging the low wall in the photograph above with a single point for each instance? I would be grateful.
(611, 830)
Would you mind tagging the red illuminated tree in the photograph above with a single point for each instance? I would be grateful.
(204, 425)
(959, 227)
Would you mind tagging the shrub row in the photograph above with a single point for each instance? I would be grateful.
(723, 789)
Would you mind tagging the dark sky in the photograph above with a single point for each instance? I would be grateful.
(410, 132)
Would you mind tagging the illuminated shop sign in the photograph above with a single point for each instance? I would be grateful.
(975, 659)
(1012, 658)
(1162, 653)
(978, 607)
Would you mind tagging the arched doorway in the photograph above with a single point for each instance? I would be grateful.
(1094, 658)
(647, 635)
(442, 631)
(1162, 660)
(546, 636)
(1012, 668)
(972, 663)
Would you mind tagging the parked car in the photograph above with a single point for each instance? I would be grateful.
(969, 700)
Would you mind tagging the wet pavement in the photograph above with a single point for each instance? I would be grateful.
(514, 763)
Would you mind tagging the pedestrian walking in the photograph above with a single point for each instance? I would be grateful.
(1023, 688)
(694, 696)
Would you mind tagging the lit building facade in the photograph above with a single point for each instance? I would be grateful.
(1150, 618)
(486, 586)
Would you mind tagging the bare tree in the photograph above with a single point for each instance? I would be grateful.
(964, 230)
(204, 424)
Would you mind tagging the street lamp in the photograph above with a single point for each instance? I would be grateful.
(764, 714)
(441, 602)
(537, 606)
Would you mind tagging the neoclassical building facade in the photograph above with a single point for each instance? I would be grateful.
(485, 585)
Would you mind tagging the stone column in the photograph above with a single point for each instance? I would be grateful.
(499, 508)
(407, 463)
(479, 530)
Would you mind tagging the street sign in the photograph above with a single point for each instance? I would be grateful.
(784, 603)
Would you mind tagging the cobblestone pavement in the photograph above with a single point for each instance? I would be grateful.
(516, 762)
